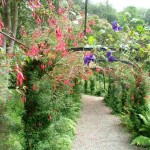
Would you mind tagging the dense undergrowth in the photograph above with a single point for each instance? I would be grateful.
(50, 127)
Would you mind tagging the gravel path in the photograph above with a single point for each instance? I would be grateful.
(98, 129)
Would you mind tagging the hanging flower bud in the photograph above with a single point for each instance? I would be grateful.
(58, 33)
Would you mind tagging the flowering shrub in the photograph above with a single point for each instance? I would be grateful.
(46, 75)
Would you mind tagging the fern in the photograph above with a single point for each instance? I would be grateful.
(142, 141)
(146, 126)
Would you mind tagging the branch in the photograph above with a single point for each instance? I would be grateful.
(14, 39)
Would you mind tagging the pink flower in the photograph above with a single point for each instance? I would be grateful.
(52, 22)
(42, 45)
(11, 55)
(34, 4)
(81, 35)
(1, 39)
(69, 29)
(60, 11)
(43, 67)
(72, 37)
(61, 46)
(89, 30)
(93, 22)
(1, 24)
(98, 69)
(51, 5)
(65, 53)
(67, 82)
(38, 20)
(20, 78)
(50, 63)
(34, 51)
(76, 44)
(58, 33)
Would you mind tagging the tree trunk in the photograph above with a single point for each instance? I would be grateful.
(7, 23)
(14, 23)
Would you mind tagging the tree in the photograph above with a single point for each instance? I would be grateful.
(146, 16)
(10, 19)
(103, 10)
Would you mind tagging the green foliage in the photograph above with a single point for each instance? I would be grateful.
(145, 128)
(103, 10)
(142, 141)
(52, 122)
(14, 112)
(146, 16)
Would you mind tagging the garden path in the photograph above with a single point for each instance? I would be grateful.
(98, 129)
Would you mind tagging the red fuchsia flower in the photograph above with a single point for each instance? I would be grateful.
(93, 22)
(20, 77)
(33, 14)
(98, 70)
(67, 82)
(43, 67)
(11, 55)
(81, 35)
(60, 11)
(38, 20)
(34, 4)
(36, 34)
(34, 51)
(69, 29)
(50, 63)
(76, 44)
(58, 33)
(52, 22)
(65, 53)
(52, 7)
(72, 37)
(90, 72)
(1, 39)
(84, 77)
(88, 30)
(59, 78)
(42, 45)
(1, 24)
(61, 46)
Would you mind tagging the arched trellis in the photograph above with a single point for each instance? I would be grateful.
(77, 48)
(101, 48)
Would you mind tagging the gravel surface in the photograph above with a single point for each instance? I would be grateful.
(98, 129)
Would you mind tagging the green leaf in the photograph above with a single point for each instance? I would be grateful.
(91, 40)
(141, 140)
(140, 28)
